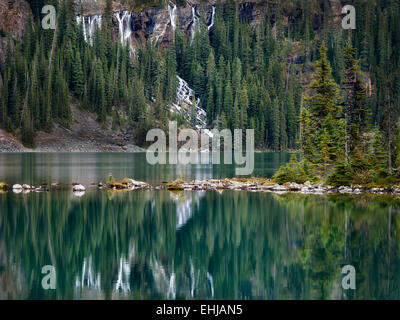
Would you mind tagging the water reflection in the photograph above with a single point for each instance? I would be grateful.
(184, 205)
(35, 168)
(234, 245)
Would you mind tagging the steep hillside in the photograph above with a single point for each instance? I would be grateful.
(206, 64)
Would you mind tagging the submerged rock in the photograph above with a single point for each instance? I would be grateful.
(41, 189)
(78, 193)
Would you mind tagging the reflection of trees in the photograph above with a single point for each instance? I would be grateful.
(234, 245)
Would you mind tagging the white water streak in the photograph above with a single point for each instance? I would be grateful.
(212, 18)
(172, 15)
(195, 22)
(125, 29)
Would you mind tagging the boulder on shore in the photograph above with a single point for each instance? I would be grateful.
(78, 187)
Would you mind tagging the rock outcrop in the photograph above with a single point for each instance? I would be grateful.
(13, 18)
(156, 23)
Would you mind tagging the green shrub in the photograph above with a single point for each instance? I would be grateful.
(294, 171)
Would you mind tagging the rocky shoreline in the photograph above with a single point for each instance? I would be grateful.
(235, 184)
(268, 185)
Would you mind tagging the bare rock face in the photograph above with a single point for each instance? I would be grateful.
(255, 11)
(156, 24)
(13, 17)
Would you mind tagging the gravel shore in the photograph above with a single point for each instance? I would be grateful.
(84, 135)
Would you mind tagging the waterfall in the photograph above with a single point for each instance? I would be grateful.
(195, 22)
(172, 15)
(125, 29)
(185, 94)
(94, 22)
(212, 18)
(79, 20)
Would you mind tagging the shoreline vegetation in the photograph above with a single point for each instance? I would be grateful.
(340, 146)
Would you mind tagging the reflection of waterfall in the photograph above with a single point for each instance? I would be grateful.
(184, 203)
(125, 29)
(171, 294)
(88, 278)
(163, 282)
(195, 22)
(124, 272)
(211, 280)
(193, 283)
(212, 18)
(172, 15)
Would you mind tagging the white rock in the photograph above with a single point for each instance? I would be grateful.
(78, 187)
(343, 189)
(26, 186)
(293, 186)
(17, 187)
(279, 187)
(305, 190)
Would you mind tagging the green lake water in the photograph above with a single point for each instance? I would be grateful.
(188, 245)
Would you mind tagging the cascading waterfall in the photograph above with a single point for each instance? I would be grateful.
(125, 29)
(172, 15)
(195, 22)
(94, 22)
(185, 94)
(81, 20)
(212, 18)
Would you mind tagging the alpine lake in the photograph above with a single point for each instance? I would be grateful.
(157, 244)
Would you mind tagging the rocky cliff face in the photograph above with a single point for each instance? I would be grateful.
(155, 24)
(150, 23)
(139, 25)
(13, 17)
